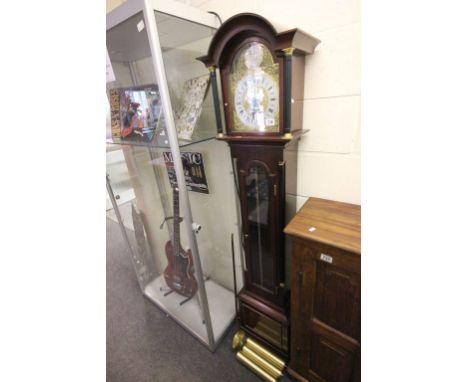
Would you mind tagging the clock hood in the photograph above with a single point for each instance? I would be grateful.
(245, 25)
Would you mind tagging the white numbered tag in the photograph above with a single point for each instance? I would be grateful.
(326, 258)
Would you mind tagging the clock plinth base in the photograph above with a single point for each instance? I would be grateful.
(266, 323)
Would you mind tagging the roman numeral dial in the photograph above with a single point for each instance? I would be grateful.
(256, 102)
(254, 90)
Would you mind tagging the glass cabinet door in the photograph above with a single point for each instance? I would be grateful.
(259, 186)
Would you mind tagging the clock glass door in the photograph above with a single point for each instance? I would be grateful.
(253, 81)
(260, 243)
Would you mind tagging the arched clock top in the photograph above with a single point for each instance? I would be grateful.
(258, 163)
(234, 30)
(245, 25)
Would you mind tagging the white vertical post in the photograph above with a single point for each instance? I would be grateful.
(158, 66)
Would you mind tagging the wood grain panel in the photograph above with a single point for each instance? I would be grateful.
(336, 223)
(337, 300)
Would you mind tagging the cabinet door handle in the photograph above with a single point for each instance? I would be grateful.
(275, 190)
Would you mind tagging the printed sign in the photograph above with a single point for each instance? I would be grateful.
(195, 176)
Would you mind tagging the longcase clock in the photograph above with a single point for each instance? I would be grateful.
(262, 81)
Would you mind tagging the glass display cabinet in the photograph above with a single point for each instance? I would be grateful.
(170, 183)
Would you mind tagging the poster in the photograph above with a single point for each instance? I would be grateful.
(194, 170)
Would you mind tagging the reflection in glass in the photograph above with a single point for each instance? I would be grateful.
(261, 253)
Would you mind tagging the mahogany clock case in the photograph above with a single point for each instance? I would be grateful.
(259, 160)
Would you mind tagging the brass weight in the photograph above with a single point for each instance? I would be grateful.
(255, 357)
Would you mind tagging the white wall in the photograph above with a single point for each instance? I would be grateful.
(330, 154)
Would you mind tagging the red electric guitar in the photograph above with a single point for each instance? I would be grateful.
(179, 273)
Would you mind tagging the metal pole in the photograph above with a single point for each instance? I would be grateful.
(234, 274)
(158, 66)
(162, 191)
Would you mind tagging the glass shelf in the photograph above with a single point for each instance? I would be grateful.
(160, 143)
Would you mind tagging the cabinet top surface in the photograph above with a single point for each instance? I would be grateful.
(325, 221)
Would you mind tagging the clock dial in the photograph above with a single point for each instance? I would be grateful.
(254, 90)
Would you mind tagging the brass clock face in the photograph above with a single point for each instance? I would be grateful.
(253, 83)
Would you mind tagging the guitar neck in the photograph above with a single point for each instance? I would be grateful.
(176, 221)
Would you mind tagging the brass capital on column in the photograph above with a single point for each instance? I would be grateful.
(288, 51)
(212, 68)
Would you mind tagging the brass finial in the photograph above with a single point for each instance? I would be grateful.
(238, 340)
(288, 51)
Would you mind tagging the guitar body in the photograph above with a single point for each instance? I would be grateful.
(179, 273)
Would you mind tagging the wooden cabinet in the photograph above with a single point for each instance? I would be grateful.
(326, 292)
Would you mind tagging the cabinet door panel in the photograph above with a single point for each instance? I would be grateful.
(331, 355)
(325, 317)
(337, 299)
(302, 290)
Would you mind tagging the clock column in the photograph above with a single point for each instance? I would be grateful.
(214, 89)
(287, 73)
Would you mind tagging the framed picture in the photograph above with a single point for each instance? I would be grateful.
(135, 113)
(193, 95)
